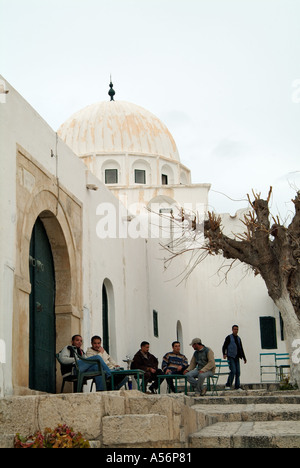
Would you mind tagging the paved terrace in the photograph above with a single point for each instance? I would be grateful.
(130, 419)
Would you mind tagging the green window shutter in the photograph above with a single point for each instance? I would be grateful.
(155, 323)
(268, 332)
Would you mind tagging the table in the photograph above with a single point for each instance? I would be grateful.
(172, 376)
(138, 373)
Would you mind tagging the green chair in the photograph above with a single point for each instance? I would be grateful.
(212, 384)
(172, 376)
(212, 381)
(80, 378)
(282, 363)
(268, 367)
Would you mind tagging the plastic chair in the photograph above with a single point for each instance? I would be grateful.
(80, 378)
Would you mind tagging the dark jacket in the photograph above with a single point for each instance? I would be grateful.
(144, 363)
(233, 347)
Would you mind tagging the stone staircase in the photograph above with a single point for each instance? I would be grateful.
(249, 419)
(258, 417)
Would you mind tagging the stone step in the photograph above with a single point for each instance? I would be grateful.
(135, 430)
(211, 414)
(261, 434)
(251, 397)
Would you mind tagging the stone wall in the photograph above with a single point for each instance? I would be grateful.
(111, 419)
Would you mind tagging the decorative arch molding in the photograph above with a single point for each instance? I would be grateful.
(163, 203)
(61, 215)
(142, 165)
(111, 164)
(167, 170)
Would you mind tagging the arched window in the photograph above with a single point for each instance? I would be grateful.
(167, 175)
(111, 172)
(141, 173)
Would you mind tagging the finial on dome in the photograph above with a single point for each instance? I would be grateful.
(111, 92)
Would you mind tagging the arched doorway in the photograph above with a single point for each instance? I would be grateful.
(105, 324)
(61, 217)
(42, 334)
(108, 318)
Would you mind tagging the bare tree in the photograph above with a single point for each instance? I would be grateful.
(271, 250)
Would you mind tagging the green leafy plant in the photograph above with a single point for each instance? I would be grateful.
(61, 437)
(286, 385)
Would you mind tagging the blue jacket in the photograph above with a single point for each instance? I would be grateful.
(233, 347)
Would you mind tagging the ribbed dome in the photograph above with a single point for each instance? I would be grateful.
(117, 127)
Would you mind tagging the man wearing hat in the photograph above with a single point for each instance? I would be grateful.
(202, 366)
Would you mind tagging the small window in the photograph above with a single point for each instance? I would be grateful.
(139, 176)
(155, 323)
(268, 332)
(111, 176)
(164, 179)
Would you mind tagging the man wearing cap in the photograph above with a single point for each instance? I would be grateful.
(202, 365)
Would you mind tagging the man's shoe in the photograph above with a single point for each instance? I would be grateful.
(227, 388)
(152, 389)
(203, 392)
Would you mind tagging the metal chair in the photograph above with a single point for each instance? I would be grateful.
(282, 363)
(212, 381)
(268, 367)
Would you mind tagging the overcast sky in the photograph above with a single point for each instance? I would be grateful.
(223, 75)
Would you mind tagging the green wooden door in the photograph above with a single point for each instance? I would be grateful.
(42, 314)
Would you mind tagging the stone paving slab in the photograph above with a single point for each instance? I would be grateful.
(252, 412)
(230, 398)
(262, 434)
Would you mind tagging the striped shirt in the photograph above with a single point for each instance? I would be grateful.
(172, 361)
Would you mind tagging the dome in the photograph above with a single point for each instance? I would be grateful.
(115, 127)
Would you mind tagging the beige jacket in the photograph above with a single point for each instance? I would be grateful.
(105, 356)
(210, 366)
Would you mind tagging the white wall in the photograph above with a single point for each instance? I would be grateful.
(205, 306)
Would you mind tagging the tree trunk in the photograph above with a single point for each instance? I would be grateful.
(292, 333)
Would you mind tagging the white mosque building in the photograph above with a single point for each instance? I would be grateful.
(78, 253)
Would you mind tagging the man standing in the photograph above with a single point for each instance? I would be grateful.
(233, 352)
(202, 366)
(174, 363)
(147, 362)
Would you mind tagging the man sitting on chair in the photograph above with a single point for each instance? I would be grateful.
(67, 357)
(174, 363)
(97, 350)
(149, 364)
(201, 366)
